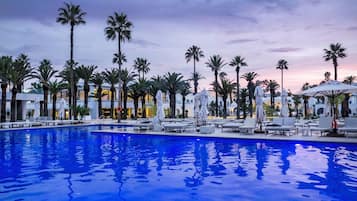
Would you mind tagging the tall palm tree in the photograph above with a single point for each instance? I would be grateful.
(249, 77)
(112, 78)
(305, 86)
(336, 51)
(119, 59)
(73, 15)
(5, 68)
(282, 65)
(216, 64)
(20, 72)
(271, 86)
(225, 88)
(172, 84)
(134, 93)
(184, 91)
(55, 87)
(238, 62)
(144, 88)
(126, 77)
(86, 73)
(345, 103)
(119, 27)
(156, 84)
(195, 77)
(44, 74)
(98, 80)
(142, 65)
(244, 93)
(195, 53)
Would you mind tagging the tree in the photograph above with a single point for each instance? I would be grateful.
(224, 89)
(345, 103)
(86, 73)
(249, 77)
(112, 78)
(282, 65)
(216, 64)
(336, 51)
(172, 84)
(195, 53)
(305, 86)
(143, 90)
(119, 27)
(134, 93)
(156, 84)
(244, 93)
(55, 87)
(142, 65)
(6, 64)
(44, 74)
(119, 59)
(271, 86)
(297, 102)
(73, 15)
(238, 62)
(20, 72)
(184, 91)
(98, 80)
(126, 77)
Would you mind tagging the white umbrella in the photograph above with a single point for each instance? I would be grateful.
(203, 114)
(61, 108)
(330, 88)
(259, 94)
(37, 106)
(284, 112)
(160, 115)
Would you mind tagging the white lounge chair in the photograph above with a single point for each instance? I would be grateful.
(324, 125)
(234, 126)
(177, 126)
(281, 125)
(248, 126)
(350, 127)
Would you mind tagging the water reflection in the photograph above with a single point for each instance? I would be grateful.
(120, 166)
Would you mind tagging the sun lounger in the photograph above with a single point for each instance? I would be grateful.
(281, 125)
(248, 126)
(177, 126)
(324, 125)
(350, 127)
(234, 126)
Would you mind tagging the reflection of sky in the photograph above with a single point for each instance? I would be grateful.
(136, 167)
(262, 31)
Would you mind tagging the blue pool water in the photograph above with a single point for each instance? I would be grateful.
(73, 164)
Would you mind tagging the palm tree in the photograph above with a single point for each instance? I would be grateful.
(216, 64)
(195, 53)
(126, 77)
(134, 93)
(55, 87)
(249, 77)
(86, 73)
(119, 59)
(142, 65)
(336, 51)
(225, 88)
(156, 84)
(44, 74)
(20, 72)
(119, 27)
(143, 90)
(73, 15)
(195, 77)
(98, 80)
(297, 101)
(271, 86)
(238, 62)
(305, 86)
(172, 84)
(345, 103)
(5, 68)
(184, 91)
(112, 78)
(282, 65)
(244, 93)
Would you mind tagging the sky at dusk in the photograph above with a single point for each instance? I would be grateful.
(261, 31)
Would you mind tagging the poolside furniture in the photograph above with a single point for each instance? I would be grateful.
(323, 126)
(234, 126)
(248, 126)
(281, 126)
(350, 127)
(207, 129)
(177, 126)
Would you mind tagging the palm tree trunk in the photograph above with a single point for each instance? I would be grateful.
(13, 104)
(99, 95)
(194, 76)
(70, 99)
(3, 102)
(215, 89)
(335, 67)
(119, 89)
(271, 99)
(238, 108)
(172, 105)
(143, 106)
(224, 107)
(54, 100)
(183, 106)
(136, 103)
(305, 108)
(86, 91)
(125, 90)
(45, 101)
(75, 112)
(345, 106)
(73, 95)
(112, 90)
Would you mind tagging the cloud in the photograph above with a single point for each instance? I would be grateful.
(144, 43)
(352, 28)
(242, 40)
(285, 49)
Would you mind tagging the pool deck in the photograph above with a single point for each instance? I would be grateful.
(218, 133)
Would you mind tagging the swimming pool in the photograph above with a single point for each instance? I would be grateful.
(73, 164)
